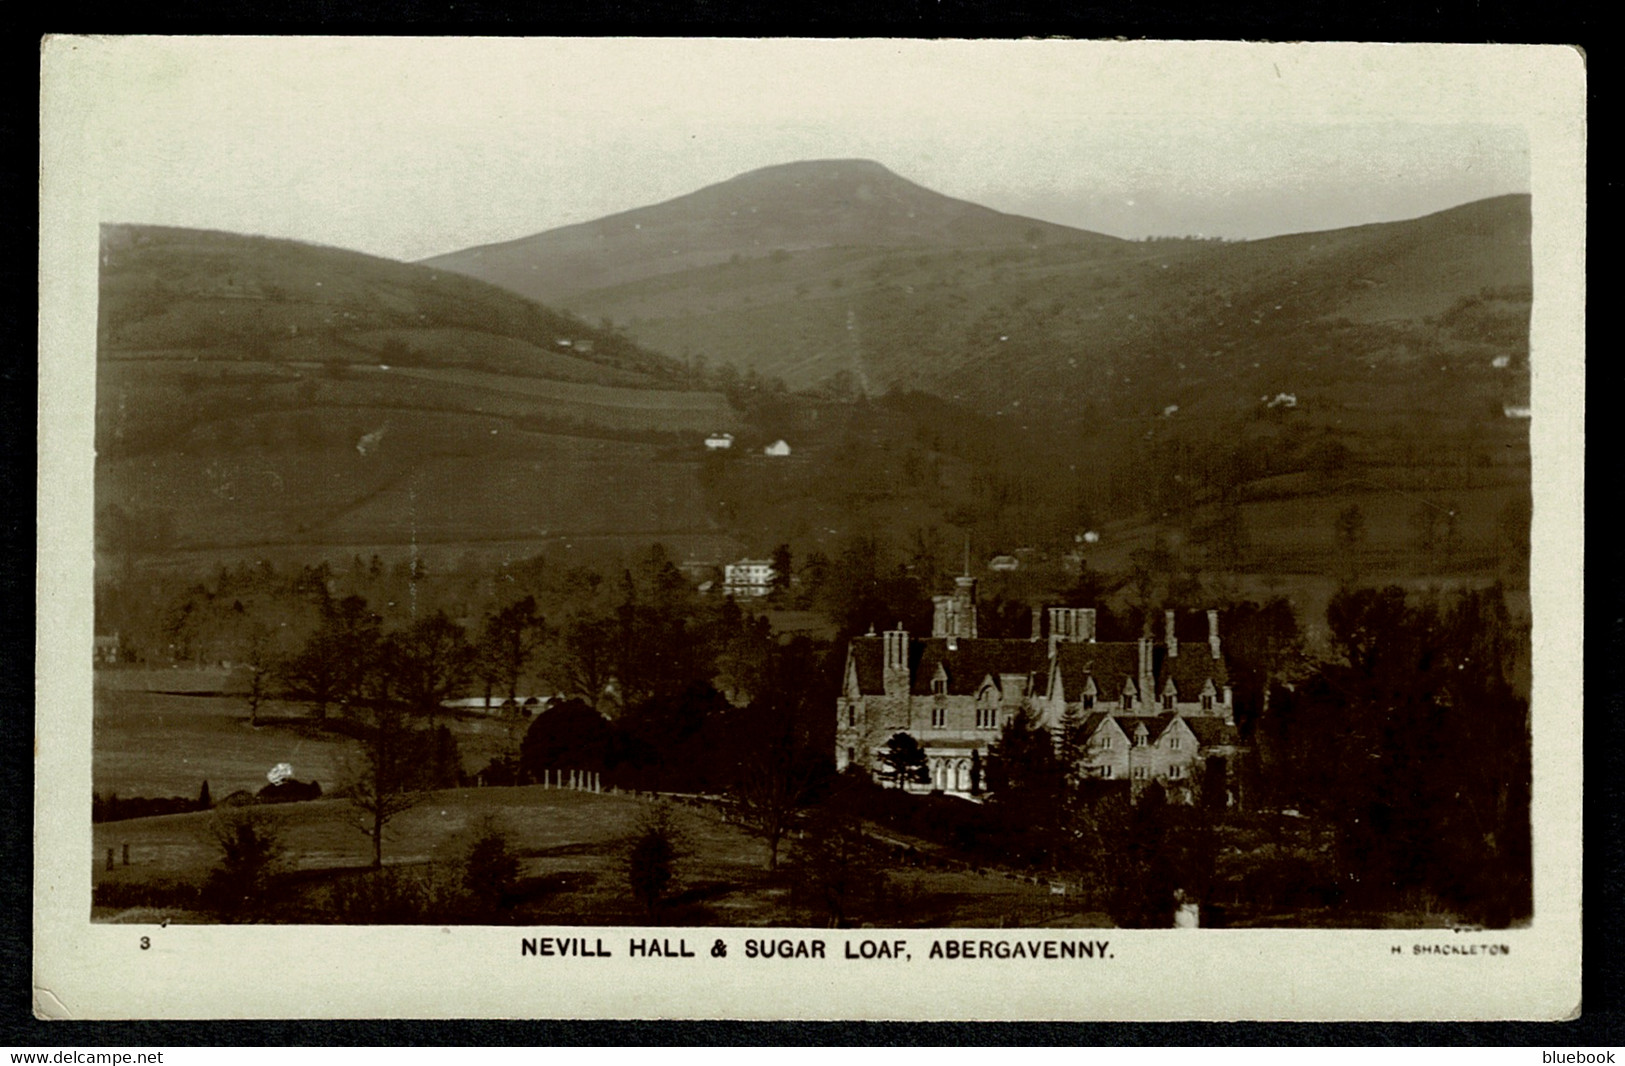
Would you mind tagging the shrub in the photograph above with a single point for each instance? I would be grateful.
(490, 872)
(251, 855)
(393, 896)
(651, 860)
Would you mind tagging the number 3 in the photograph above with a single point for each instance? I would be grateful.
(146, 942)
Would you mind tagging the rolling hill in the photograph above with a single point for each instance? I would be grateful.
(840, 274)
(255, 392)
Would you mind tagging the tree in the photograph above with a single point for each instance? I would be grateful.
(903, 761)
(568, 736)
(1419, 684)
(390, 750)
(511, 639)
(651, 860)
(259, 658)
(1027, 785)
(834, 863)
(781, 569)
(588, 654)
(333, 663)
(431, 661)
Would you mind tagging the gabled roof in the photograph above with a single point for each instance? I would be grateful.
(1110, 663)
(869, 662)
(1155, 725)
(1193, 667)
(972, 661)
(1213, 732)
(1095, 723)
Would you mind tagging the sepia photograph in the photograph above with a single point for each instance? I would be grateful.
(845, 504)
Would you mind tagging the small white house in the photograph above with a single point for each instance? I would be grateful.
(778, 447)
(748, 577)
(717, 442)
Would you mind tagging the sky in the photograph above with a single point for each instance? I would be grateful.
(409, 148)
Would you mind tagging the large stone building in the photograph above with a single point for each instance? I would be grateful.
(1147, 711)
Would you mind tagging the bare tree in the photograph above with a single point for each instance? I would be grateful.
(381, 790)
(770, 790)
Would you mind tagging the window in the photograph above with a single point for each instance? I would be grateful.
(852, 715)
(939, 686)
(851, 756)
(1176, 772)
(1173, 743)
(1106, 771)
(1141, 739)
(1128, 701)
(1088, 703)
(939, 717)
(986, 717)
(1168, 702)
(1139, 773)
(1207, 703)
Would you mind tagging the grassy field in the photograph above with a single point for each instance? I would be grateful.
(164, 732)
(571, 847)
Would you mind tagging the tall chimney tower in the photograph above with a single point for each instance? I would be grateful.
(1170, 638)
(894, 681)
(1213, 632)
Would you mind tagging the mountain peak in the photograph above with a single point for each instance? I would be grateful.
(818, 168)
(797, 206)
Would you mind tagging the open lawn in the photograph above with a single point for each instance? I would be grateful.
(571, 847)
(165, 732)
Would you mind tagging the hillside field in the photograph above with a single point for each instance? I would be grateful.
(571, 846)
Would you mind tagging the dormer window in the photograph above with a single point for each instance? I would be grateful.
(1207, 702)
(1168, 702)
(939, 686)
(1141, 738)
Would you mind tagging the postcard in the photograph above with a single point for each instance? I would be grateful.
(809, 529)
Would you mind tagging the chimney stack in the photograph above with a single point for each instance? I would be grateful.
(1171, 639)
(1038, 623)
(965, 607)
(1147, 681)
(1213, 632)
(1088, 616)
(895, 679)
